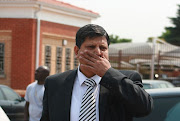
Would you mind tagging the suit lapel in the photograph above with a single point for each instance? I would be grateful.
(69, 82)
(103, 95)
(68, 87)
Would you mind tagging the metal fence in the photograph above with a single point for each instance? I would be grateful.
(152, 61)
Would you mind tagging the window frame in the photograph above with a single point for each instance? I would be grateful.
(67, 59)
(59, 59)
(47, 59)
(2, 73)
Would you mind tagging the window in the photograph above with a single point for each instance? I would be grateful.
(10, 95)
(48, 56)
(68, 59)
(147, 86)
(1, 58)
(1, 96)
(58, 59)
(76, 62)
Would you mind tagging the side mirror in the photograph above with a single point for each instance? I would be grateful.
(22, 99)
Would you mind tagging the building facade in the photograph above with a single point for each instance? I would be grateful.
(37, 32)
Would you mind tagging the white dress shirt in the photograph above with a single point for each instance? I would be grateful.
(79, 89)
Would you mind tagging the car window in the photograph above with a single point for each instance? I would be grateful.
(163, 85)
(156, 86)
(1, 96)
(147, 86)
(10, 95)
(163, 107)
(170, 85)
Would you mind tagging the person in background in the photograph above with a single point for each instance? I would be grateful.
(94, 91)
(34, 95)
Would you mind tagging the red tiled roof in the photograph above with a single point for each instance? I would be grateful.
(60, 3)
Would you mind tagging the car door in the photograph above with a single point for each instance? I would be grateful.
(163, 105)
(16, 108)
(4, 103)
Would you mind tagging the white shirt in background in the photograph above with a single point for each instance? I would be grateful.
(34, 95)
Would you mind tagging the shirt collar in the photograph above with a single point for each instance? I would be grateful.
(82, 77)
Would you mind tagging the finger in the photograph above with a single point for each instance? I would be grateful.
(93, 55)
(85, 61)
(88, 57)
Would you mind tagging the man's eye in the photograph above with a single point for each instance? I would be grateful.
(103, 48)
(91, 47)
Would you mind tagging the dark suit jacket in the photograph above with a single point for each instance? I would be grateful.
(120, 98)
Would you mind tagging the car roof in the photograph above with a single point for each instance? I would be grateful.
(164, 92)
(154, 81)
(3, 85)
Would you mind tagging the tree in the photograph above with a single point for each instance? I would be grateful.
(150, 39)
(116, 39)
(172, 34)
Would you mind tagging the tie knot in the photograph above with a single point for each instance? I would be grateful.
(90, 82)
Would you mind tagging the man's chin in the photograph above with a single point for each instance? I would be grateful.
(87, 73)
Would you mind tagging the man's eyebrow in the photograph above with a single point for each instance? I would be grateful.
(91, 44)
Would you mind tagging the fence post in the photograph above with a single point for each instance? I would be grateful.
(153, 58)
(159, 58)
(119, 59)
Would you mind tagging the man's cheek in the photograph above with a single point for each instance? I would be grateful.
(81, 59)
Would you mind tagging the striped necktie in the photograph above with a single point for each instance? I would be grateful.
(88, 104)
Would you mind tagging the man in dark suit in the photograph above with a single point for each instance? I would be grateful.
(114, 96)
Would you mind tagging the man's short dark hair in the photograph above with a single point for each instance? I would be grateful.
(90, 31)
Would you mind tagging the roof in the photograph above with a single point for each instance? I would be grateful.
(67, 5)
(141, 48)
(154, 81)
(175, 52)
(164, 92)
(54, 4)
(48, 10)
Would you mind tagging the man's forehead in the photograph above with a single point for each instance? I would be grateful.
(40, 69)
(94, 39)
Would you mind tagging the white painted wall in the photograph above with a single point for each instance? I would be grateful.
(7, 12)
(48, 12)
(63, 18)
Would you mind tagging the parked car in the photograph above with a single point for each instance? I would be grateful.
(12, 103)
(152, 84)
(174, 80)
(166, 105)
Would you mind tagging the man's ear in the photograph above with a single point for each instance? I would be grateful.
(76, 50)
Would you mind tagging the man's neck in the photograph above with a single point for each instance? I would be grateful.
(87, 73)
(40, 82)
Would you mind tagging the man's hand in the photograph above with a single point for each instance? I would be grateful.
(94, 63)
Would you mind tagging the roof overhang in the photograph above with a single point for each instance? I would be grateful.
(49, 10)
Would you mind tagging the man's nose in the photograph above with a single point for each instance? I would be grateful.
(97, 51)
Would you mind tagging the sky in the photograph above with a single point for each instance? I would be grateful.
(131, 19)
